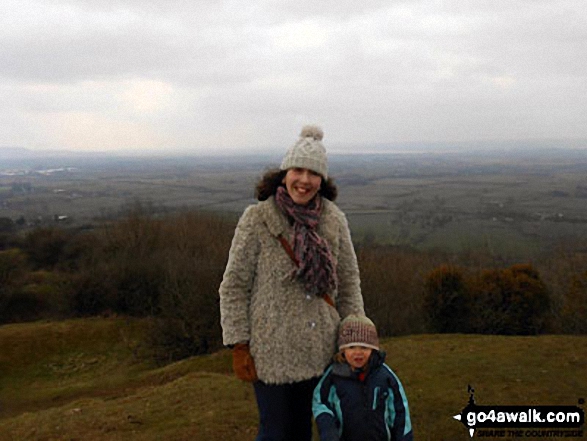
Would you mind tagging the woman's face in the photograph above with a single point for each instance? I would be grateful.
(302, 184)
(357, 356)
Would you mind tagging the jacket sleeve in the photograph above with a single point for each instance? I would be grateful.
(350, 299)
(237, 283)
(324, 410)
(397, 412)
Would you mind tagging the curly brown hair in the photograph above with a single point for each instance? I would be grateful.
(273, 178)
(339, 357)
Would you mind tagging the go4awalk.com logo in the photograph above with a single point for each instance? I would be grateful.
(521, 421)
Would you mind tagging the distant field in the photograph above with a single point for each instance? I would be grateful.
(86, 380)
(513, 204)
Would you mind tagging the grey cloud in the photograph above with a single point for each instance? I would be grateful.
(374, 71)
(144, 45)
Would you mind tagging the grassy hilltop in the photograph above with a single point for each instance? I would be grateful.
(87, 380)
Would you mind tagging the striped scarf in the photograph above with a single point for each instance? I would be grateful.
(316, 268)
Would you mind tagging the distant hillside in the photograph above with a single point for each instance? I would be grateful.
(553, 147)
(25, 153)
(15, 153)
(491, 146)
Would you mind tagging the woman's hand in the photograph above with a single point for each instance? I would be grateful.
(243, 363)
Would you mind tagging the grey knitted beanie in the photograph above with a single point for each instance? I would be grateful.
(357, 330)
(308, 152)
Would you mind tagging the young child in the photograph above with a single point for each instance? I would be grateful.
(359, 398)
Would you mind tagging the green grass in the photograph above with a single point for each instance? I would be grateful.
(84, 380)
(44, 363)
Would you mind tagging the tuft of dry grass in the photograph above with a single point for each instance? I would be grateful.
(83, 380)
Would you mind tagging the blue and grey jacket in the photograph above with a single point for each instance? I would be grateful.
(375, 409)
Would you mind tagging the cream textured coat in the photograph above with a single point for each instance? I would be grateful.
(292, 335)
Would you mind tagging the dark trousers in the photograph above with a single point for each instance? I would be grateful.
(285, 410)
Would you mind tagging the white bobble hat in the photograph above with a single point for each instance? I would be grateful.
(308, 152)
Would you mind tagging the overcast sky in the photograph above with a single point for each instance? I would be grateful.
(206, 75)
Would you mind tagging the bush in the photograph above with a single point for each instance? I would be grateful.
(563, 270)
(119, 267)
(93, 291)
(13, 268)
(6, 225)
(446, 300)
(511, 301)
(168, 269)
(574, 310)
(138, 284)
(44, 246)
(391, 283)
(188, 322)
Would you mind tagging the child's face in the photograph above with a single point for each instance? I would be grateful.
(357, 356)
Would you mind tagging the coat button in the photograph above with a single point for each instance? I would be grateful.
(312, 325)
(308, 297)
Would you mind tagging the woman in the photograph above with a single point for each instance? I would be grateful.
(291, 275)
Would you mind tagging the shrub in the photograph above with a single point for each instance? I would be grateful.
(138, 283)
(446, 299)
(169, 269)
(92, 290)
(511, 301)
(563, 270)
(492, 301)
(188, 322)
(6, 224)
(79, 250)
(391, 283)
(119, 268)
(44, 246)
(574, 310)
(13, 268)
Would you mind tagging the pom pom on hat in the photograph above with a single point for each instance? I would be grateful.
(313, 132)
(357, 330)
(308, 152)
